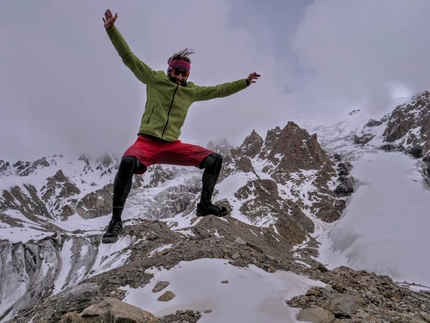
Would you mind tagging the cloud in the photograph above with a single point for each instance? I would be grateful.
(64, 89)
(361, 54)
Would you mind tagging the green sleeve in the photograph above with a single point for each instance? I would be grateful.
(219, 91)
(142, 71)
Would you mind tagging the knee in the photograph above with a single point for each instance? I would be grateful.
(211, 160)
(129, 163)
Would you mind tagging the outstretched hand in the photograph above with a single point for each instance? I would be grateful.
(253, 77)
(109, 19)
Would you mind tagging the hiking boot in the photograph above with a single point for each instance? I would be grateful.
(211, 209)
(114, 229)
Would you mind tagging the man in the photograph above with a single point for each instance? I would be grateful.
(168, 98)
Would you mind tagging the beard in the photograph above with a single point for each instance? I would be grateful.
(176, 81)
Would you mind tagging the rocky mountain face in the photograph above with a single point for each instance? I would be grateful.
(406, 129)
(279, 188)
(60, 196)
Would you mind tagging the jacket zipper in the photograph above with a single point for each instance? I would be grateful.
(170, 109)
(149, 118)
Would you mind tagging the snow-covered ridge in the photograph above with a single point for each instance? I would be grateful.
(287, 192)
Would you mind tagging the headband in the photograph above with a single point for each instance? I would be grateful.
(180, 63)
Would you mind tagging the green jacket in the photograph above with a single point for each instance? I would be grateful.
(167, 103)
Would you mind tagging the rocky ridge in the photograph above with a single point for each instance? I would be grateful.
(406, 129)
(278, 235)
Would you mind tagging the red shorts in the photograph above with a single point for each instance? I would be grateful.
(154, 151)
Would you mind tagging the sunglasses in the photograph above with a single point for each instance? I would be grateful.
(176, 71)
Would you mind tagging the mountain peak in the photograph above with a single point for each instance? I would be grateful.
(282, 191)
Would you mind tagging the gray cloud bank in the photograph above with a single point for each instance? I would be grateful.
(63, 88)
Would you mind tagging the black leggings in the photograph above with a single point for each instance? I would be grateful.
(212, 165)
(122, 183)
(130, 164)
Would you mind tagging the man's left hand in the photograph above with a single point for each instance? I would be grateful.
(253, 77)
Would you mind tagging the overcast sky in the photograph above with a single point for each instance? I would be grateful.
(64, 89)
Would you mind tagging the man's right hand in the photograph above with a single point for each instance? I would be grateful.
(109, 19)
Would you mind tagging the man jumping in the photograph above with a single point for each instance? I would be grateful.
(168, 98)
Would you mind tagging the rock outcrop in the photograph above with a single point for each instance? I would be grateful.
(277, 189)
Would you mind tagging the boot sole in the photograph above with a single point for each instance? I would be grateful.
(109, 240)
(218, 216)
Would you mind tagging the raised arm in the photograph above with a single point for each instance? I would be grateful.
(142, 71)
(225, 89)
